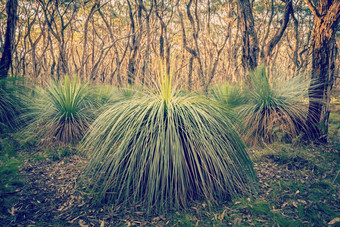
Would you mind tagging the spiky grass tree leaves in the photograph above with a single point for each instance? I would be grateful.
(274, 109)
(229, 95)
(62, 110)
(161, 149)
(8, 109)
(11, 104)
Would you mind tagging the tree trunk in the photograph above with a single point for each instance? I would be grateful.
(250, 48)
(278, 35)
(326, 19)
(6, 59)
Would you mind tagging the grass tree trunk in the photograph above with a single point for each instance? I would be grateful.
(6, 59)
(326, 19)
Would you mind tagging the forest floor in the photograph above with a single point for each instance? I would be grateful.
(298, 186)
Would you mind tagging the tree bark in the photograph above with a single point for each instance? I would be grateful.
(135, 41)
(250, 48)
(326, 19)
(6, 58)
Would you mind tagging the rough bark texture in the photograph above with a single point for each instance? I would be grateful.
(135, 41)
(6, 59)
(326, 19)
(250, 48)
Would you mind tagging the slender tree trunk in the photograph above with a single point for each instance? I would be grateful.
(6, 59)
(278, 35)
(250, 48)
(135, 41)
(190, 73)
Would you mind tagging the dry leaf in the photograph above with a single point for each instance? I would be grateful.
(102, 224)
(222, 216)
(156, 219)
(335, 220)
(237, 221)
(12, 211)
(302, 201)
(294, 204)
(82, 223)
(284, 204)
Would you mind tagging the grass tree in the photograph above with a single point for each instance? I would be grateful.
(273, 110)
(62, 110)
(12, 104)
(162, 149)
(228, 95)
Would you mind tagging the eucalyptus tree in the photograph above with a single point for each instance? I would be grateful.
(324, 52)
(59, 15)
(6, 58)
(250, 46)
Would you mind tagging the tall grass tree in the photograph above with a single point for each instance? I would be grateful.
(162, 149)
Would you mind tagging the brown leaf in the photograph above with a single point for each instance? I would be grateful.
(237, 221)
(222, 216)
(335, 220)
(156, 219)
(302, 201)
(12, 211)
(82, 223)
(294, 204)
(284, 204)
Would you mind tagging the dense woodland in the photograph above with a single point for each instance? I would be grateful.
(184, 112)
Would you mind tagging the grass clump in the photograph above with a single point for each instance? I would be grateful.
(161, 149)
(273, 111)
(11, 105)
(230, 95)
(61, 111)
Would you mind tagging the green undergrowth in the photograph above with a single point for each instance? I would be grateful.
(10, 180)
(58, 153)
(334, 129)
(307, 199)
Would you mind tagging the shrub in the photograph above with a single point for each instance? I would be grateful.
(273, 111)
(162, 149)
(63, 111)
